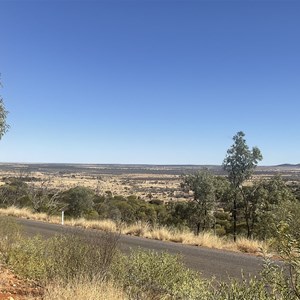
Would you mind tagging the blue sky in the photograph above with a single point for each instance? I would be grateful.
(158, 82)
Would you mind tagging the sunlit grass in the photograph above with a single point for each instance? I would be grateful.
(205, 239)
(137, 229)
(104, 225)
(83, 289)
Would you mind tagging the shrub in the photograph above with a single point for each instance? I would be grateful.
(247, 289)
(153, 275)
(80, 201)
(65, 257)
(10, 234)
(285, 280)
(29, 258)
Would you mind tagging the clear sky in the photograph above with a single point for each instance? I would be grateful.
(157, 82)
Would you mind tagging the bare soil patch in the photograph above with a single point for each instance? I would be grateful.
(14, 288)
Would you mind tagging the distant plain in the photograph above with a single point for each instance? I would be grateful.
(145, 181)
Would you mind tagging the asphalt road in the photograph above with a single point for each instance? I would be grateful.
(210, 262)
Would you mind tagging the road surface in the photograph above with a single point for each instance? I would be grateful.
(210, 262)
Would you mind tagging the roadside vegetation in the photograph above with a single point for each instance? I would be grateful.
(163, 233)
(89, 266)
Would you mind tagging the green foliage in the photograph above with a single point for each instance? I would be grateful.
(29, 258)
(14, 192)
(278, 281)
(223, 224)
(203, 188)
(85, 254)
(271, 201)
(146, 274)
(64, 257)
(129, 209)
(248, 289)
(240, 163)
(295, 186)
(153, 275)
(10, 234)
(284, 281)
(3, 114)
(208, 190)
(80, 201)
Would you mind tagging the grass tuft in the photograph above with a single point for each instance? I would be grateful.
(82, 289)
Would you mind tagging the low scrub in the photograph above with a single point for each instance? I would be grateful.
(64, 257)
(86, 266)
(154, 275)
(10, 234)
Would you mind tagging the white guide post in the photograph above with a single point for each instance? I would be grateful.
(62, 217)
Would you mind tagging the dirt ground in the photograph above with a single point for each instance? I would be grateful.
(14, 288)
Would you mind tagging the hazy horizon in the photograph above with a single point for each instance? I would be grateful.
(132, 164)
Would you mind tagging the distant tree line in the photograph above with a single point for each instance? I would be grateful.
(264, 204)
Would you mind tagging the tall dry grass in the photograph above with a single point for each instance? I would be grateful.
(27, 213)
(23, 213)
(83, 289)
(205, 239)
(137, 229)
(104, 225)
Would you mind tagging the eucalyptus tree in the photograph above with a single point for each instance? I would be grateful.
(202, 184)
(273, 201)
(3, 113)
(240, 163)
(79, 201)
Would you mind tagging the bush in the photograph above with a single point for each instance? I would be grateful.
(29, 258)
(65, 257)
(153, 275)
(80, 201)
(288, 247)
(247, 289)
(10, 234)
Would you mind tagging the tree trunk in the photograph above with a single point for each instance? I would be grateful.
(246, 212)
(198, 228)
(247, 218)
(249, 232)
(204, 220)
(234, 217)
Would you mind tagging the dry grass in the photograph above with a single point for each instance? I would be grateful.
(104, 225)
(137, 229)
(83, 289)
(205, 239)
(251, 246)
(159, 233)
(26, 213)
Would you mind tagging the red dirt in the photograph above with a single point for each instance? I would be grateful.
(14, 288)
